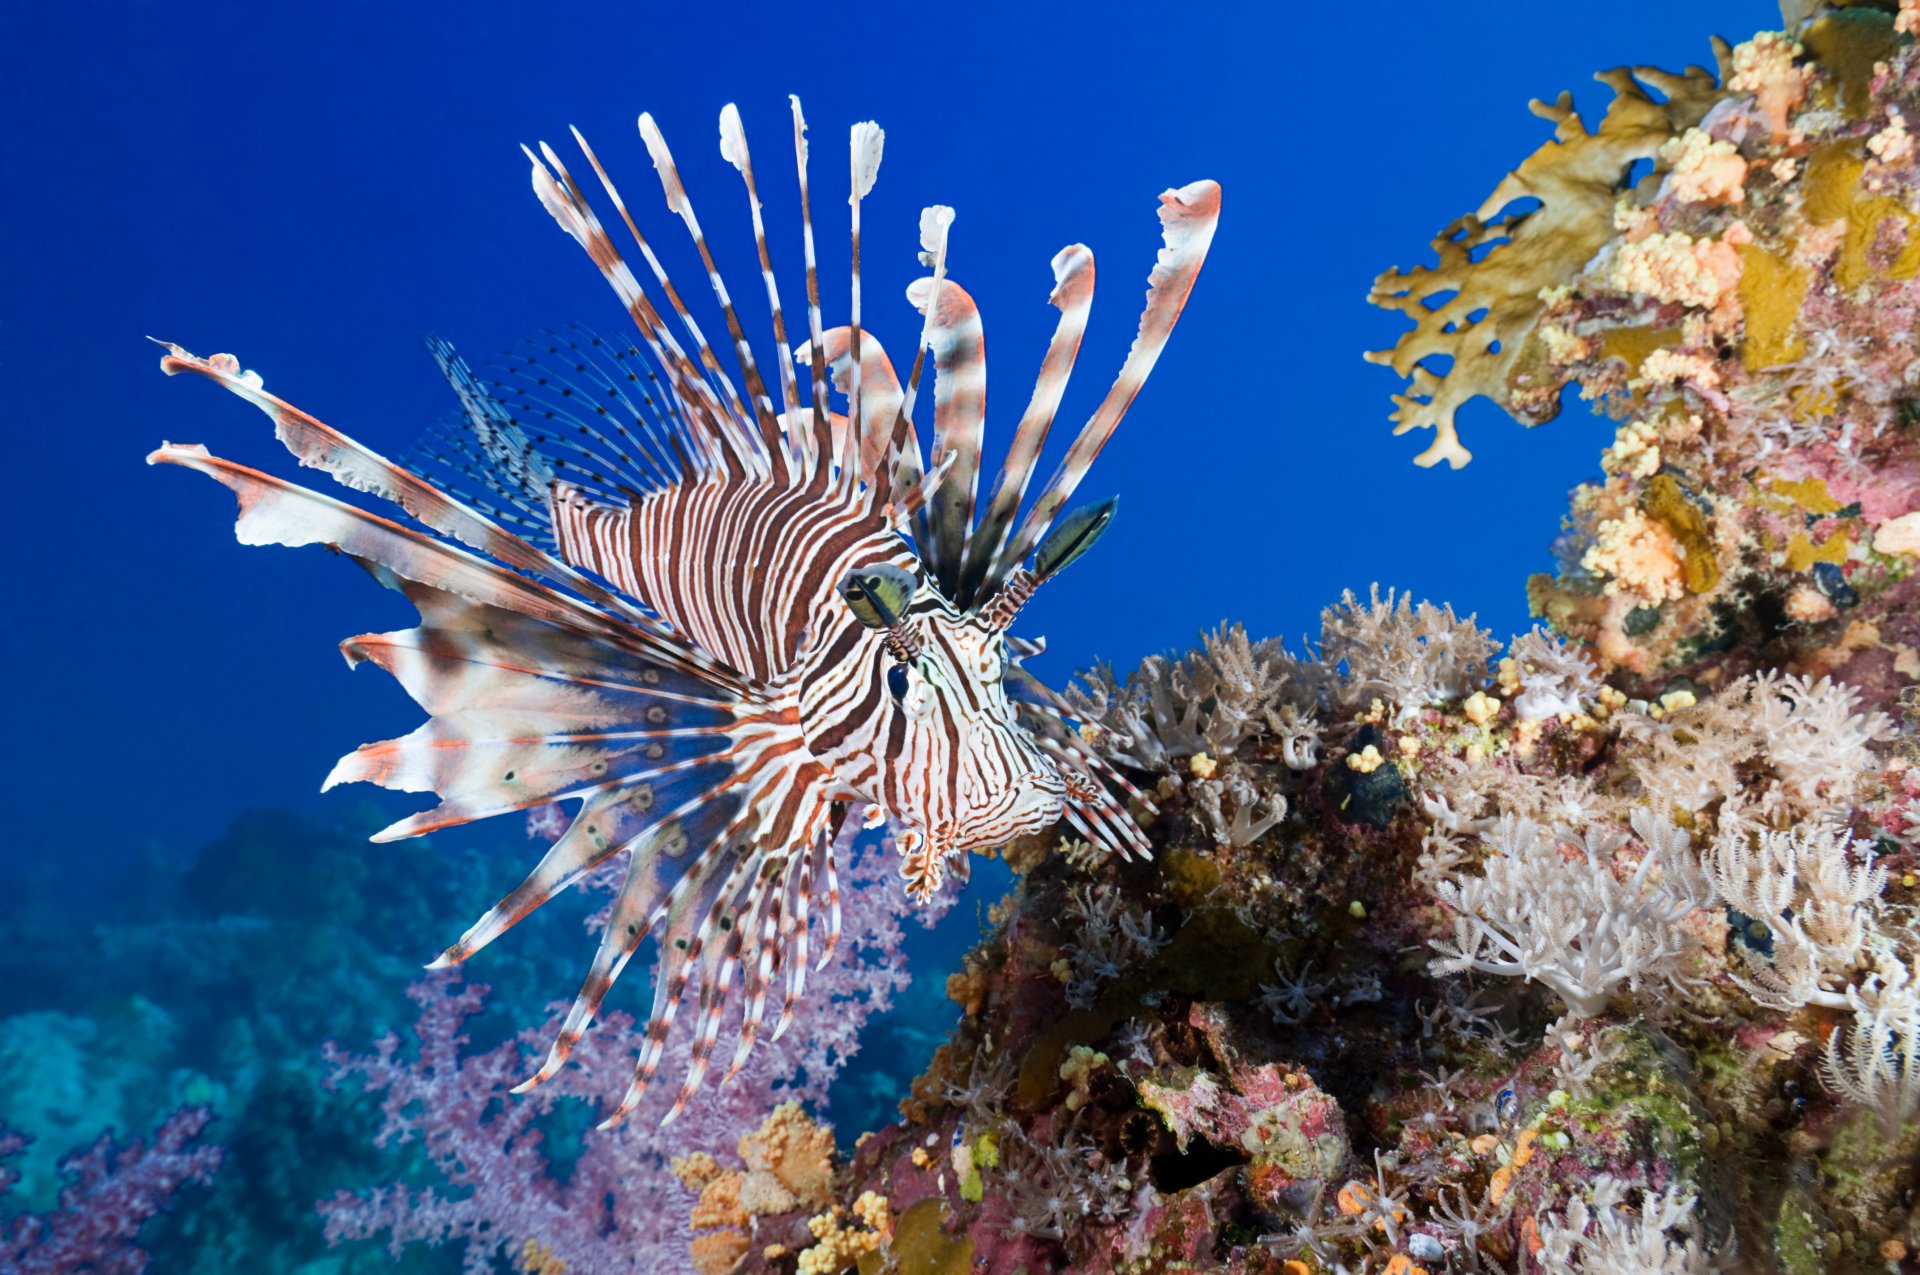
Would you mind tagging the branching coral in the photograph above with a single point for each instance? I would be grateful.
(1480, 307)
(1409, 655)
(1110, 939)
(1772, 746)
(1209, 702)
(620, 1207)
(1608, 1238)
(111, 1192)
(1558, 910)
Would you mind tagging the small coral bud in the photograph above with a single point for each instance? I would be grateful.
(1409, 745)
(1682, 698)
(1485, 1143)
(1357, 910)
(1480, 708)
(1352, 1199)
(1202, 766)
(1894, 1250)
(1366, 761)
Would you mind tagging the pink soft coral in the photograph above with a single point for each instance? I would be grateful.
(619, 1208)
(112, 1191)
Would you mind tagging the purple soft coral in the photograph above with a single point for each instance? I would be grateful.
(620, 1208)
(111, 1192)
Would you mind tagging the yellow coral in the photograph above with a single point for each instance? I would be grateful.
(1366, 761)
(836, 1245)
(1892, 144)
(1670, 267)
(1635, 451)
(1082, 1061)
(796, 1151)
(718, 1252)
(538, 1259)
(789, 1162)
(1526, 258)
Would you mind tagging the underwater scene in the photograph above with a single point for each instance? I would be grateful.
(1398, 842)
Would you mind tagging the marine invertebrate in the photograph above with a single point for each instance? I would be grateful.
(1556, 910)
(1110, 940)
(623, 1204)
(112, 1189)
(1409, 655)
(1604, 1237)
(766, 650)
(1481, 306)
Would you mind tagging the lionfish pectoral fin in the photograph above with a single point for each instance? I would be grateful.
(1097, 794)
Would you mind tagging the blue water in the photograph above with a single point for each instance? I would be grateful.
(315, 187)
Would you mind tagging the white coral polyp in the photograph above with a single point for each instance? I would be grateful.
(1554, 909)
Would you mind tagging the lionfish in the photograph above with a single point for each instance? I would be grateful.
(725, 625)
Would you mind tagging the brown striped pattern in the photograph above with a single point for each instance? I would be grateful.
(683, 667)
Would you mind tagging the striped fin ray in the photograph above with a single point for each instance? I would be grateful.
(1092, 807)
(587, 404)
(523, 712)
(678, 202)
(717, 447)
(486, 447)
(355, 466)
(954, 334)
(899, 451)
(740, 440)
(818, 451)
(274, 511)
(879, 394)
(673, 867)
(1073, 297)
(865, 143)
(1188, 217)
(733, 148)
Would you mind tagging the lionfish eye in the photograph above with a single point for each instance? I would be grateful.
(879, 594)
(897, 680)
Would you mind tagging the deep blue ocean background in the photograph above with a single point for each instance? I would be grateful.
(315, 187)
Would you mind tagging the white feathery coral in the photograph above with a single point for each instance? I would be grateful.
(1555, 676)
(1210, 701)
(1409, 656)
(1610, 1239)
(1111, 939)
(1816, 898)
(1877, 1066)
(1554, 909)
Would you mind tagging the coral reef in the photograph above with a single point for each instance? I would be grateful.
(1591, 951)
(618, 1203)
(1728, 269)
(109, 1192)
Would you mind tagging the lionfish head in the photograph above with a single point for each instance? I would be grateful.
(951, 761)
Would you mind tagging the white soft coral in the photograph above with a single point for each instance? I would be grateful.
(1555, 909)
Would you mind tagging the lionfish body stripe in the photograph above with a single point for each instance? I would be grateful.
(729, 629)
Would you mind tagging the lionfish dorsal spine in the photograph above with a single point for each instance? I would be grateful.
(667, 648)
